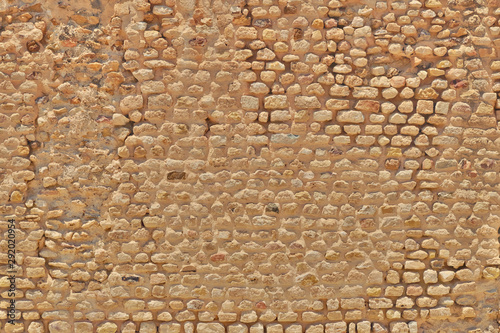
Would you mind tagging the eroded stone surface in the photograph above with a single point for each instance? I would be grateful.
(259, 166)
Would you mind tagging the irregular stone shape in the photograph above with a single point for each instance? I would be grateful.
(339, 90)
(280, 116)
(249, 103)
(169, 328)
(143, 74)
(339, 327)
(84, 327)
(352, 303)
(306, 279)
(210, 328)
(131, 103)
(350, 117)
(440, 313)
(342, 69)
(423, 51)
(276, 102)
(262, 23)
(284, 138)
(33, 46)
(367, 106)
(59, 327)
(456, 74)
(380, 82)
(237, 328)
(426, 93)
(264, 221)
(165, 10)
(323, 115)
(337, 104)
(37, 327)
(246, 33)
(162, 101)
(152, 87)
(461, 108)
(147, 327)
(107, 328)
(380, 303)
(365, 92)
(307, 102)
(175, 175)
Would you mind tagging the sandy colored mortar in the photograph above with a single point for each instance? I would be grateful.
(259, 166)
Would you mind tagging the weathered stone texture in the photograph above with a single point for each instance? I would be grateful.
(258, 166)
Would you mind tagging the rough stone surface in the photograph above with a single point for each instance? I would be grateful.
(279, 166)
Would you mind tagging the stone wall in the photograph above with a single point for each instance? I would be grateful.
(279, 166)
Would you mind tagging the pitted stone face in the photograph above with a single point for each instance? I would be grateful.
(261, 166)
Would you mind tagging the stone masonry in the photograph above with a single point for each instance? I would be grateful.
(250, 166)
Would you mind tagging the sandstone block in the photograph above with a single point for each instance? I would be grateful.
(307, 102)
(210, 328)
(276, 102)
(339, 327)
(365, 92)
(350, 117)
(131, 102)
